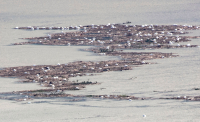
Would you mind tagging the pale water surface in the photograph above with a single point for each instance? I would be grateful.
(170, 77)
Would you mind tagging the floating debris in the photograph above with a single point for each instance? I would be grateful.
(117, 36)
(108, 40)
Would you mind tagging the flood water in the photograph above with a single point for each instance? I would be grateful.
(178, 75)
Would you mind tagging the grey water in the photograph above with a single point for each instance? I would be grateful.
(179, 74)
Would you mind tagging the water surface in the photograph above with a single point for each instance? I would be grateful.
(179, 74)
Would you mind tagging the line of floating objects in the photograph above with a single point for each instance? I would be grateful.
(108, 40)
(118, 36)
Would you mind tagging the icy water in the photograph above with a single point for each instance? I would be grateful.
(170, 77)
